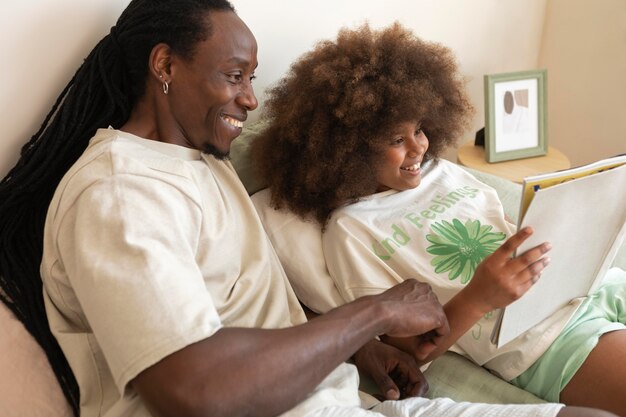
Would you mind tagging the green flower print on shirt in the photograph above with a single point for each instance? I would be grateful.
(459, 248)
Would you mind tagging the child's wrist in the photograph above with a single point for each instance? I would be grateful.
(474, 307)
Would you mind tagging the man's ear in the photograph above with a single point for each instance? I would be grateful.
(160, 62)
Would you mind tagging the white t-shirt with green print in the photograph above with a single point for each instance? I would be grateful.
(437, 233)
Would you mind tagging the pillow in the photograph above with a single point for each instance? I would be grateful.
(298, 244)
(453, 376)
(28, 386)
(510, 193)
(620, 259)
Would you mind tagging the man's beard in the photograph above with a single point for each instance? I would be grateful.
(212, 150)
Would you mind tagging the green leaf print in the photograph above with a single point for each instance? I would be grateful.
(459, 248)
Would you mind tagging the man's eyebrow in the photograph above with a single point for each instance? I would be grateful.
(241, 61)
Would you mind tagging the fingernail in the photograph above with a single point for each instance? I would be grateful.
(546, 261)
(547, 246)
(527, 230)
(392, 394)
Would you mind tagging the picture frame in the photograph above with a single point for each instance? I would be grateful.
(515, 115)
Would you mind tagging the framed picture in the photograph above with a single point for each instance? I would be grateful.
(515, 115)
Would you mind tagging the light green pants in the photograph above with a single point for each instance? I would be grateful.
(602, 312)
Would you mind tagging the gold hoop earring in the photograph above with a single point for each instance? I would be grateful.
(166, 87)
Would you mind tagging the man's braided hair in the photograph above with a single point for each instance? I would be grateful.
(100, 94)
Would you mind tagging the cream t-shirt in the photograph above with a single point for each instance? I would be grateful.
(150, 247)
(437, 233)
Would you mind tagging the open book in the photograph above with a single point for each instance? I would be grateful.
(582, 213)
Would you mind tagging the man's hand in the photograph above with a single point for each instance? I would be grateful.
(396, 373)
(414, 310)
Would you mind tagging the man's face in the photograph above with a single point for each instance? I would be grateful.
(211, 94)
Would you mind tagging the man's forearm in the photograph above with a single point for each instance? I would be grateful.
(225, 374)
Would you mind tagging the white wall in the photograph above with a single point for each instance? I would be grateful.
(584, 49)
(44, 41)
(488, 36)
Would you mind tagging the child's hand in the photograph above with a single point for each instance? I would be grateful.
(501, 279)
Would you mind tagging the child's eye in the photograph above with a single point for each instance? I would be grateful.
(397, 141)
(418, 131)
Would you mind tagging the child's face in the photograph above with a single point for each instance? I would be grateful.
(400, 167)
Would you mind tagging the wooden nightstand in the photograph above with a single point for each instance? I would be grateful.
(474, 157)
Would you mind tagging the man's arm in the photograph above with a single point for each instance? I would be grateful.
(267, 372)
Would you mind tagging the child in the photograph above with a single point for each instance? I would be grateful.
(355, 130)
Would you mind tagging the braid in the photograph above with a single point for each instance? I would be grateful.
(28, 188)
(100, 94)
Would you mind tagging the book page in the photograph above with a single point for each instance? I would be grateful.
(582, 219)
(536, 182)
